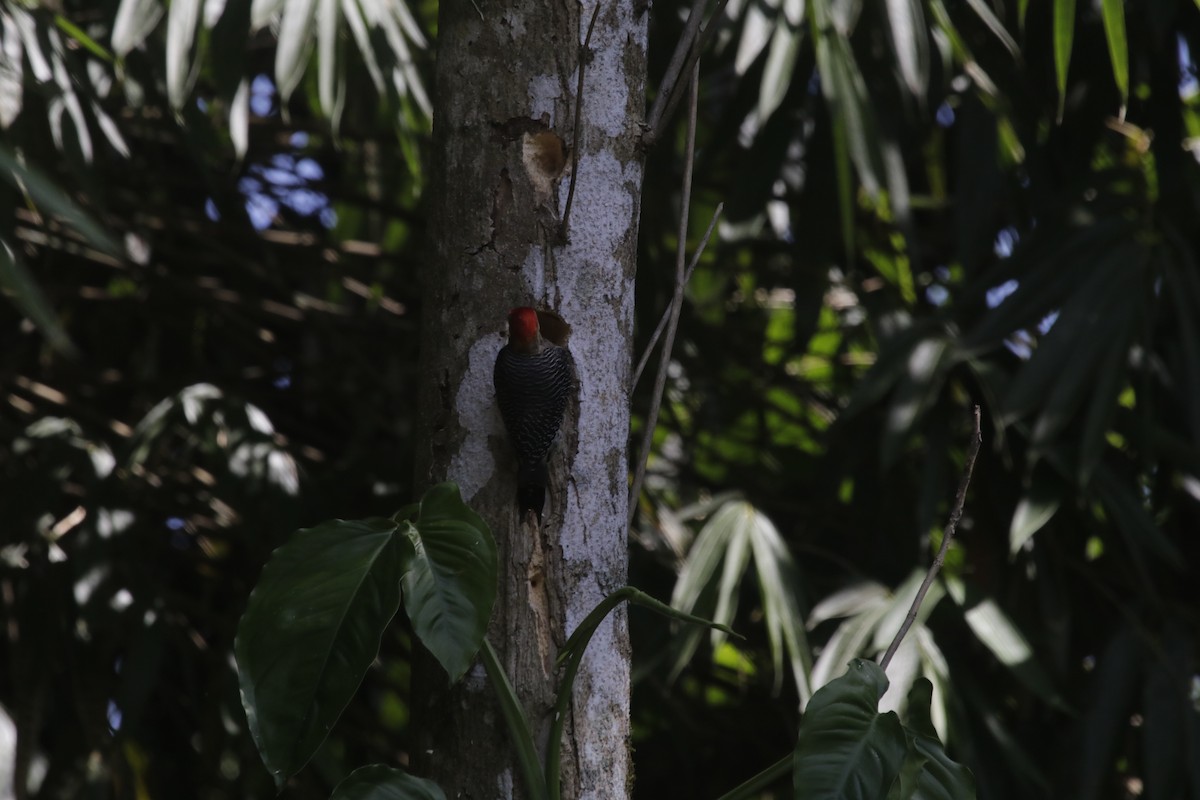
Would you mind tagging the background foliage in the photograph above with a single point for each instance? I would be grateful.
(210, 244)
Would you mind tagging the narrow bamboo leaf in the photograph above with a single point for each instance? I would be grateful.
(1165, 737)
(310, 632)
(942, 778)
(1132, 519)
(183, 19)
(1118, 45)
(1022, 8)
(239, 120)
(134, 21)
(845, 748)
(50, 199)
(327, 61)
(377, 782)
(1111, 695)
(450, 578)
(779, 67)
(993, 23)
(354, 21)
(733, 567)
(906, 26)
(999, 634)
(757, 30)
(849, 641)
(15, 279)
(916, 391)
(12, 69)
(81, 37)
(779, 588)
(1184, 291)
(1037, 506)
(263, 11)
(891, 364)
(848, 602)
(1064, 38)
(704, 558)
(295, 41)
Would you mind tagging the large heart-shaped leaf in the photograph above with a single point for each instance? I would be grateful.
(449, 577)
(377, 782)
(846, 749)
(311, 630)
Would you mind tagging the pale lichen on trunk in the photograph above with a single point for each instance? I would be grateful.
(504, 118)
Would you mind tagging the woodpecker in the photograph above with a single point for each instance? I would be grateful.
(533, 379)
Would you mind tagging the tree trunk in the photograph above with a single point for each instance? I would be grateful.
(503, 132)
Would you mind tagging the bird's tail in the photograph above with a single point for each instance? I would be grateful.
(531, 488)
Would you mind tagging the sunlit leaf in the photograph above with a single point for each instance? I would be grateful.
(906, 26)
(985, 13)
(134, 21)
(183, 20)
(295, 42)
(1037, 506)
(736, 530)
(999, 634)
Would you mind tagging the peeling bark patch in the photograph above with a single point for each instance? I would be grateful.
(473, 464)
(545, 158)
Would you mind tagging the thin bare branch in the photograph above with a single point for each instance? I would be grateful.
(948, 534)
(679, 288)
(660, 381)
(583, 57)
(669, 94)
(675, 68)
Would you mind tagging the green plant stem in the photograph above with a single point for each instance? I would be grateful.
(572, 657)
(761, 781)
(518, 726)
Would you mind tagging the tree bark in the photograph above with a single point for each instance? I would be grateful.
(503, 132)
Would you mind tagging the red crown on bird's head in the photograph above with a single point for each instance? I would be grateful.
(522, 325)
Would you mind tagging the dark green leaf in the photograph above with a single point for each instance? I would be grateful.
(377, 782)
(1114, 685)
(846, 749)
(1132, 519)
(50, 199)
(311, 630)
(1064, 38)
(942, 778)
(28, 296)
(449, 577)
(1118, 46)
